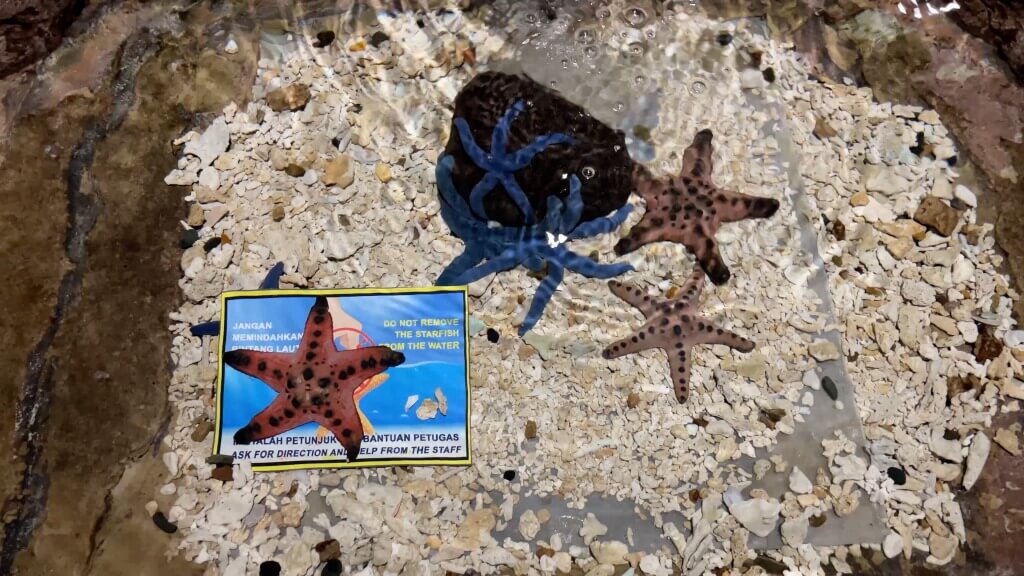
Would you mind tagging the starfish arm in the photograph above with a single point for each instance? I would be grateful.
(589, 268)
(279, 417)
(706, 251)
(206, 329)
(478, 155)
(508, 181)
(679, 371)
(643, 233)
(545, 291)
(522, 157)
(341, 417)
(630, 345)
(462, 263)
(480, 191)
(507, 260)
(318, 335)
(602, 225)
(269, 367)
(735, 206)
(634, 296)
(499, 138)
(273, 278)
(534, 263)
(353, 367)
(574, 208)
(446, 186)
(697, 162)
(713, 335)
(694, 285)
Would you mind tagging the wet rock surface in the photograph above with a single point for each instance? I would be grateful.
(88, 345)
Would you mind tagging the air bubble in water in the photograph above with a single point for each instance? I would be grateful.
(698, 87)
(590, 52)
(616, 148)
(651, 33)
(585, 36)
(565, 64)
(636, 49)
(639, 80)
(531, 18)
(553, 83)
(603, 12)
(635, 16)
(588, 172)
(618, 106)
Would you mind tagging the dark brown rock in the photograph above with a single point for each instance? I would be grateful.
(202, 429)
(291, 97)
(531, 430)
(223, 472)
(328, 550)
(988, 346)
(277, 213)
(599, 151)
(937, 215)
(294, 170)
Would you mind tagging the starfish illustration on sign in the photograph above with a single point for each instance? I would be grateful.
(688, 208)
(505, 247)
(674, 326)
(501, 164)
(316, 383)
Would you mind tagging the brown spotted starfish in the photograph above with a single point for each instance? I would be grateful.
(674, 326)
(688, 209)
(316, 383)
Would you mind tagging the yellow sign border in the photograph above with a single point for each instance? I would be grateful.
(225, 296)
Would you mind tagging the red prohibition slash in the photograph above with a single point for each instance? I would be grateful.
(364, 339)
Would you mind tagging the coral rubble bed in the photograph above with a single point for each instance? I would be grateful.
(331, 170)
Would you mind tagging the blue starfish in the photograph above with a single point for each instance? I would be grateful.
(270, 282)
(506, 247)
(500, 164)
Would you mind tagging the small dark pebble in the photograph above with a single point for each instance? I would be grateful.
(328, 550)
(509, 475)
(223, 472)
(220, 459)
(211, 243)
(324, 38)
(335, 141)
(294, 170)
(163, 523)
(899, 477)
(839, 230)
(950, 435)
(270, 568)
(830, 388)
(332, 568)
(188, 238)
(770, 565)
(724, 38)
(379, 38)
(768, 74)
(918, 148)
(493, 336)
